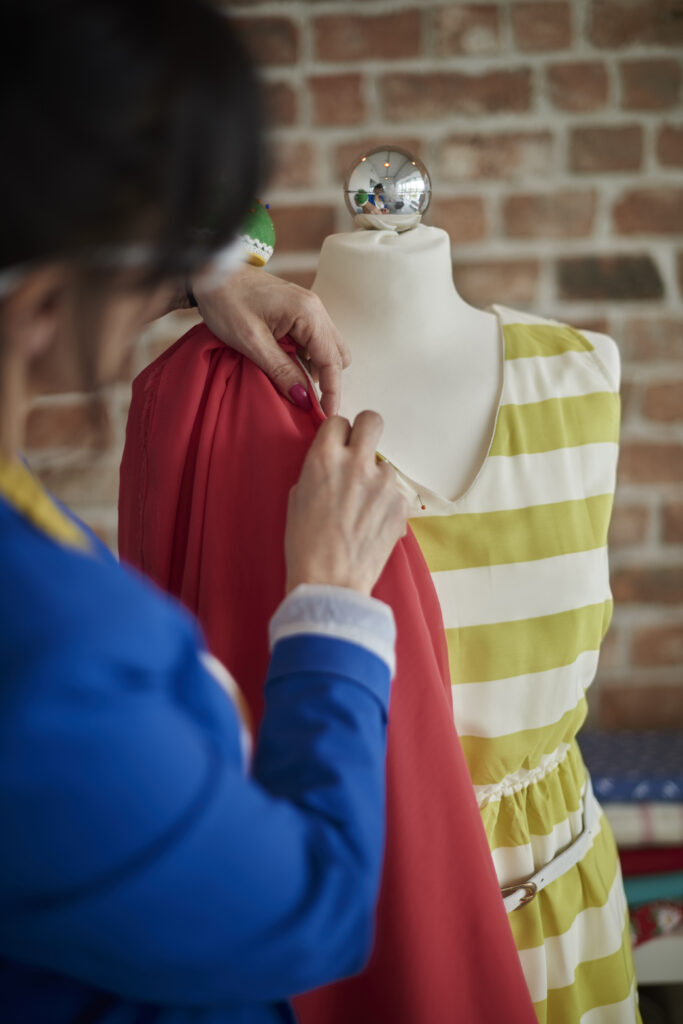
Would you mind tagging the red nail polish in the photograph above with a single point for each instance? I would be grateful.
(301, 397)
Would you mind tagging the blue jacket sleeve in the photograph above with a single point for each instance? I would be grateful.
(139, 857)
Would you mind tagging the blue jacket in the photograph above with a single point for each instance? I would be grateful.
(145, 873)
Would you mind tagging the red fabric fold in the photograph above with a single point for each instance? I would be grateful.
(211, 453)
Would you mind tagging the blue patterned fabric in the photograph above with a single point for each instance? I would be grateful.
(635, 767)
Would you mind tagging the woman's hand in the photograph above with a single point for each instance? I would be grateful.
(346, 511)
(253, 309)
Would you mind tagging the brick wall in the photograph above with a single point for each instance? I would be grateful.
(554, 134)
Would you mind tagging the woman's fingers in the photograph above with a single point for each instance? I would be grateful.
(366, 432)
(253, 309)
(346, 512)
(362, 438)
(329, 378)
(333, 433)
(314, 332)
(287, 376)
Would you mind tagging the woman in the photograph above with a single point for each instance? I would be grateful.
(145, 873)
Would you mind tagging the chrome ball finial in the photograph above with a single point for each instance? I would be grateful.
(387, 188)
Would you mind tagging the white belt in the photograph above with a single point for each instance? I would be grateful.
(521, 893)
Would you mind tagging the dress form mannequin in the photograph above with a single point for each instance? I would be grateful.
(519, 454)
(426, 360)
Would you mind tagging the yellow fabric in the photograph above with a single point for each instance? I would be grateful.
(22, 490)
(542, 339)
(524, 591)
(498, 650)
(546, 530)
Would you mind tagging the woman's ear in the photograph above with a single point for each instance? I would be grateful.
(31, 313)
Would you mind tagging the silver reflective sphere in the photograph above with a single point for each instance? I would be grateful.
(388, 181)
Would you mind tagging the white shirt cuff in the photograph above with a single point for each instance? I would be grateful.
(337, 612)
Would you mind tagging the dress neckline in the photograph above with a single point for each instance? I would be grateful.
(431, 502)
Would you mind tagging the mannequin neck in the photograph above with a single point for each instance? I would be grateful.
(394, 288)
(421, 356)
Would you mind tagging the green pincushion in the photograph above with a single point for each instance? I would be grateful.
(257, 234)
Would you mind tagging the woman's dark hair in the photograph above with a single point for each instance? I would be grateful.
(124, 121)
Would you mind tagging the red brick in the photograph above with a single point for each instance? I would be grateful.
(157, 346)
(125, 372)
(302, 228)
(281, 103)
(645, 339)
(642, 462)
(657, 211)
(599, 324)
(616, 23)
(606, 148)
(337, 99)
(542, 26)
(629, 394)
(92, 479)
(467, 29)
(670, 145)
(650, 84)
(581, 85)
(347, 154)
(348, 37)
(609, 277)
(483, 282)
(566, 214)
(83, 422)
(648, 585)
(270, 40)
(651, 706)
(165, 332)
(293, 164)
(105, 531)
(664, 402)
(659, 645)
(505, 155)
(437, 94)
(610, 651)
(464, 217)
(629, 525)
(672, 523)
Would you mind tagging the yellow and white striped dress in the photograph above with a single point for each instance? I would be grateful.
(520, 566)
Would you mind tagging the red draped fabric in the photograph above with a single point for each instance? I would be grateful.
(211, 453)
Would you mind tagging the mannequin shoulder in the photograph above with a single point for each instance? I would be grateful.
(607, 351)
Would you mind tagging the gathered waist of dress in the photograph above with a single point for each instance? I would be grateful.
(524, 890)
(523, 778)
(528, 826)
